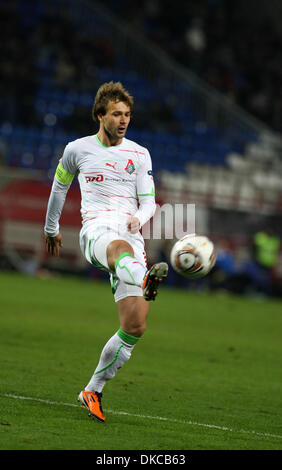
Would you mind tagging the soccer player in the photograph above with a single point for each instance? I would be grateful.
(118, 198)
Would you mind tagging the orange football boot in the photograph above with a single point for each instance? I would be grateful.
(92, 401)
(152, 279)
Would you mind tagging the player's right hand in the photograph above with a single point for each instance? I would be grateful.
(53, 244)
(133, 224)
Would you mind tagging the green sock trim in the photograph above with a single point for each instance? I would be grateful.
(126, 337)
(123, 255)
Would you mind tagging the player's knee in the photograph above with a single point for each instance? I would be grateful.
(135, 325)
(117, 248)
(133, 313)
(141, 330)
(137, 329)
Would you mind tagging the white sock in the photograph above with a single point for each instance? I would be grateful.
(129, 270)
(114, 354)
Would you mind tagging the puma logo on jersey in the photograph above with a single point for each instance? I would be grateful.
(113, 166)
(93, 179)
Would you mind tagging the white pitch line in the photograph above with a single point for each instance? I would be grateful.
(158, 418)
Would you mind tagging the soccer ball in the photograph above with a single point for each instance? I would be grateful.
(193, 256)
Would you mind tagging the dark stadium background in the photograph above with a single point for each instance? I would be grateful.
(206, 76)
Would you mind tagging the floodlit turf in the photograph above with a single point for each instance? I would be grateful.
(205, 376)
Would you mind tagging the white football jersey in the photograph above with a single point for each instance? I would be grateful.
(115, 182)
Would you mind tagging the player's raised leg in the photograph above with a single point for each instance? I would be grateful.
(127, 268)
(121, 260)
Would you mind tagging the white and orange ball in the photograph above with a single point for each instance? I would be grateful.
(193, 256)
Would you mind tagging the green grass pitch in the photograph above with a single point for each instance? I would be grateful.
(205, 376)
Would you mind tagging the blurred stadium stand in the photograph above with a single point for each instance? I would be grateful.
(206, 149)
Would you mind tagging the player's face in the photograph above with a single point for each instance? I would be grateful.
(116, 120)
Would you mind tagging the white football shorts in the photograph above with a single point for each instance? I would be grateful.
(94, 240)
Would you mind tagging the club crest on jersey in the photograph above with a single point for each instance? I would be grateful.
(130, 168)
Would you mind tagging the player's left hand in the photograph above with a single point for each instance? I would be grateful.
(53, 244)
(133, 224)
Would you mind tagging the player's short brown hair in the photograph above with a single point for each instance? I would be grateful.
(111, 91)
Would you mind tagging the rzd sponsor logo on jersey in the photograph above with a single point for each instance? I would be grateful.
(94, 179)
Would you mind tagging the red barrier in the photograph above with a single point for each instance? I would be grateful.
(27, 201)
